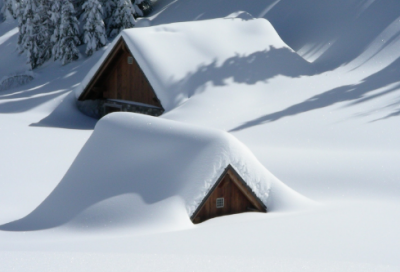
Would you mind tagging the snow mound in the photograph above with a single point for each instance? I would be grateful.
(159, 168)
(179, 59)
(14, 81)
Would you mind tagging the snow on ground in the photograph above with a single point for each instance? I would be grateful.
(331, 135)
(160, 161)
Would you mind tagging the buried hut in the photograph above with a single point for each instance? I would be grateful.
(119, 84)
(155, 69)
(230, 194)
(160, 172)
(138, 170)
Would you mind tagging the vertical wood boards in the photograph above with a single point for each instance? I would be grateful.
(238, 198)
(117, 79)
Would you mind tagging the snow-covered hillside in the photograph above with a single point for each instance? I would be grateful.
(328, 129)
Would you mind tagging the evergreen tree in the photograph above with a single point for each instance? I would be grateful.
(108, 8)
(29, 41)
(145, 7)
(138, 11)
(3, 10)
(69, 34)
(121, 18)
(10, 6)
(55, 19)
(5, 7)
(78, 5)
(94, 31)
(34, 31)
(21, 22)
(46, 28)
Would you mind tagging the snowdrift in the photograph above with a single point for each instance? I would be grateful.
(179, 59)
(328, 33)
(150, 170)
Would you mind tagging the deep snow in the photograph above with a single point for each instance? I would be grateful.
(158, 160)
(179, 69)
(332, 136)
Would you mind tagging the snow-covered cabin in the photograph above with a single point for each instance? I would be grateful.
(209, 169)
(137, 170)
(119, 84)
(230, 194)
(152, 69)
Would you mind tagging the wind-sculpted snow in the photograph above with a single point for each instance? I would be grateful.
(330, 33)
(152, 169)
(180, 59)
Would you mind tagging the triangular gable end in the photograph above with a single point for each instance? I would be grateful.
(120, 80)
(229, 195)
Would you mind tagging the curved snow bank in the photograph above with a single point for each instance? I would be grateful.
(180, 58)
(159, 166)
(13, 81)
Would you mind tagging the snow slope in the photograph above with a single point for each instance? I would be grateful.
(331, 135)
(330, 33)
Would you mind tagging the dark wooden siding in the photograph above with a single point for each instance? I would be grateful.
(236, 200)
(117, 79)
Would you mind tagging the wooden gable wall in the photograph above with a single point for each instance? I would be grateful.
(117, 79)
(238, 198)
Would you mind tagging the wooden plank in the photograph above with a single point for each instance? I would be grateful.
(122, 80)
(100, 71)
(252, 198)
(238, 198)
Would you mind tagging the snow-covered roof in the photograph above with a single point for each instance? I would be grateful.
(171, 54)
(160, 157)
(158, 160)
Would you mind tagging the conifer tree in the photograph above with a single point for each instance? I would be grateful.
(46, 28)
(108, 8)
(29, 41)
(69, 34)
(94, 31)
(10, 6)
(138, 11)
(78, 7)
(34, 31)
(21, 22)
(3, 10)
(121, 18)
(5, 6)
(55, 19)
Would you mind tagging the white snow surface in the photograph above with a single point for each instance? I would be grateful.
(158, 160)
(179, 58)
(329, 132)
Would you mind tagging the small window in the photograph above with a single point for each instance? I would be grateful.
(220, 202)
(130, 60)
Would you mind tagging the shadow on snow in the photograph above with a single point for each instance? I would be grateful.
(355, 94)
(257, 67)
(341, 30)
